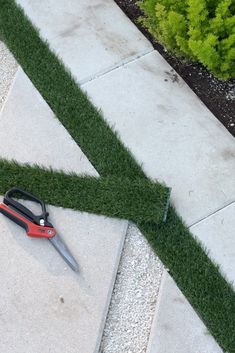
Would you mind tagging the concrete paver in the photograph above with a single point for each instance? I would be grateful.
(44, 306)
(217, 235)
(176, 327)
(89, 36)
(170, 132)
(32, 134)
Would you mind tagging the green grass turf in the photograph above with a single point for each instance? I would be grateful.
(199, 279)
(138, 200)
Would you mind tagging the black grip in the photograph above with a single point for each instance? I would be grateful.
(18, 221)
(9, 201)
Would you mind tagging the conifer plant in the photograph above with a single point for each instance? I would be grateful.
(198, 30)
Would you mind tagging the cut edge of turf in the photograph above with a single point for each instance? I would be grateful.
(137, 200)
(196, 275)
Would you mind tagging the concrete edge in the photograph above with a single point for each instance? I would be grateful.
(154, 322)
(111, 287)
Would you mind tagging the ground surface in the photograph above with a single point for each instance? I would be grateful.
(218, 96)
(134, 297)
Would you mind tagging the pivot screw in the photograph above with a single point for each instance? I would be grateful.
(42, 222)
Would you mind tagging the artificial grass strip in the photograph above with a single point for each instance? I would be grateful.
(199, 279)
(63, 95)
(196, 275)
(138, 200)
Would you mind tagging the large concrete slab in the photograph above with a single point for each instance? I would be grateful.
(170, 132)
(217, 235)
(176, 327)
(44, 306)
(30, 133)
(90, 36)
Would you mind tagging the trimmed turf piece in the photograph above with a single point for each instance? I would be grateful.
(138, 200)
(199, 279)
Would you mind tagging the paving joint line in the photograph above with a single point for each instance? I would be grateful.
(211, 214)
(125, 62)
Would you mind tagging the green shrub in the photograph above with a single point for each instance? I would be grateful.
(200, 30)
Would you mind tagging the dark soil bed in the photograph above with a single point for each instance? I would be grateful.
(218, 96)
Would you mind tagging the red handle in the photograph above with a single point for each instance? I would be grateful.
(33, 230)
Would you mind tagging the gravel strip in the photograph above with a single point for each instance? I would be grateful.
(8, 67)
(134, 297)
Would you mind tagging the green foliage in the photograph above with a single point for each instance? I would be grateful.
(200, 30)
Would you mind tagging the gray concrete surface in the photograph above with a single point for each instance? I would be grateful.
(91, 37)
(44, 306)
(170, 132)
(134, 297)
(8, 67)
(32, 134)
(176, 327)
(217, 234)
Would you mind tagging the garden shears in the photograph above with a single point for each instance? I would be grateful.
(35, 226)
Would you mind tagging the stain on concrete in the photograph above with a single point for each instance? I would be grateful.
(113, 42)
(96, 7)
(71, 30)
(178, 300)
(93, 18)
(94, 22)
(228, 154)
(162, 108)
(173, 76)
(152, 69)
(166, 327)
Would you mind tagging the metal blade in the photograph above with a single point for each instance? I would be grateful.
(62, 248)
